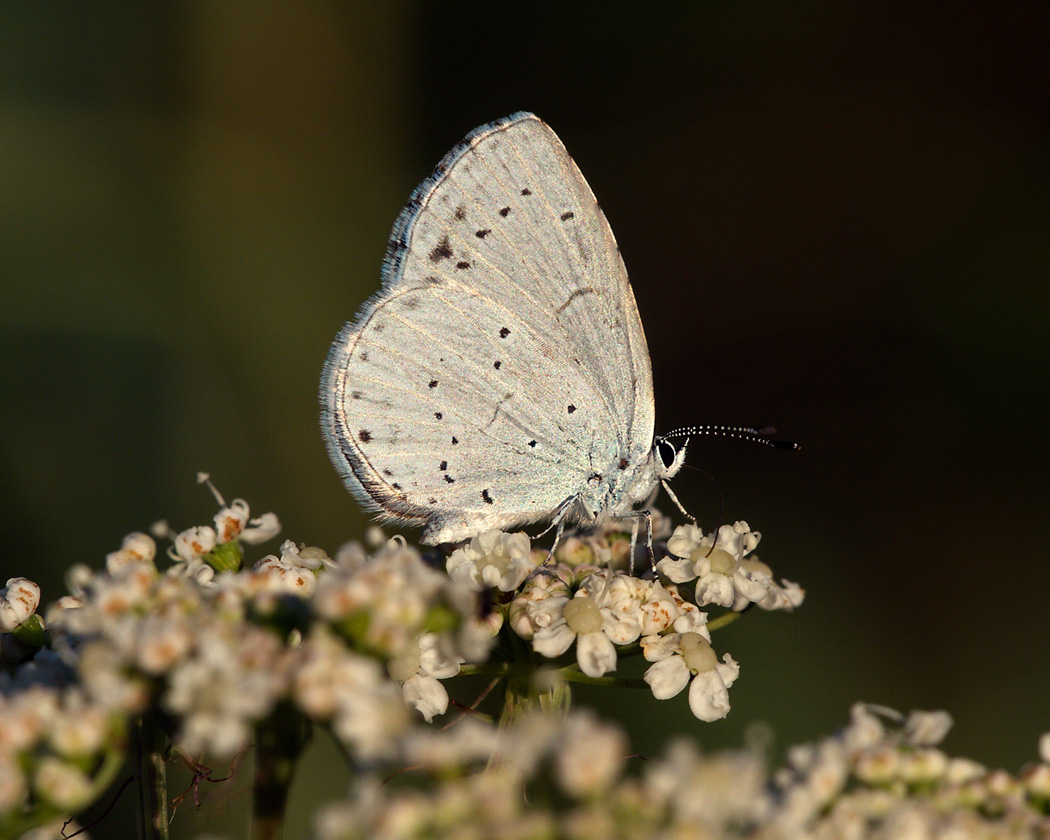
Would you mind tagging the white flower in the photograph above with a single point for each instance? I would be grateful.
(923, 766)
(160, 642)
(608, 609)
(453, 747)
(18, 601)
(589, 756)
(865, 728)
(194, 543)
(80, 729)
(676, 658)
(136, 548)
(12, 783)
(426, 695)
(332, 682)
(61, 784)
(230, 521)
(714, 562)
(581, 620)
(419, 670)
(391, 594)
(291, 572)
(539, 604)
(492, 559)
(371, 722)
(927, 728)
(230, 683)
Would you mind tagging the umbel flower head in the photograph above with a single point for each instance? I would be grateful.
(219, 654)
(883, 776)
(215, 647)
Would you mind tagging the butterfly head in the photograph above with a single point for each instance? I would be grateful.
(667, 458)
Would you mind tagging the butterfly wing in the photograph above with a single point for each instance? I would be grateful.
(503, 363)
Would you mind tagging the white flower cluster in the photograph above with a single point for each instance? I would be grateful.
(543, 778)
(578, 600)
(213, 650)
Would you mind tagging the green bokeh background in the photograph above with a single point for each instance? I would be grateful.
(836, 218)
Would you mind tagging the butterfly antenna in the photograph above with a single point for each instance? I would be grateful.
(721, 502)
(741, 432)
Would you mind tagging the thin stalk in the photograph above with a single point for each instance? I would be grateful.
(279, 742)
(152, 800)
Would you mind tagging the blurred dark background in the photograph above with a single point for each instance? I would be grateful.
(835, 217)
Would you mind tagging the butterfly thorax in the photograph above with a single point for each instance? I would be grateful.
(627, 480)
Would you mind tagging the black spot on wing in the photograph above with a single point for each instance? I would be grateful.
(504, 332)
(497, 364)
(485, 495)
(364, 436)
(432, 384)
(481, 234)
(438, 415)
(532, 443)
(504, 212)
(526, 191)
(572, 408)
(566, 216)
(442, 251)
(355, 395)
(460, 214)
(462, 264)
(449, 479)
(443, 466)
(455, 440)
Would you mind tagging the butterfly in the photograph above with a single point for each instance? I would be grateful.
(501, 375)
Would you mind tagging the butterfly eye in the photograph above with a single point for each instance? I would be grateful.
(667, 453)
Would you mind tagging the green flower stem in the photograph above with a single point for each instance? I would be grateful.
(572, 675)
(152, 802)
(279, 742)
(723, 620)
(499, 669)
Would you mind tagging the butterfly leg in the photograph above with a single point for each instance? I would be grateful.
(678, 504)
(558, 523)
(636, 517)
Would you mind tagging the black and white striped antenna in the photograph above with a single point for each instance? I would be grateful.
(740, 432)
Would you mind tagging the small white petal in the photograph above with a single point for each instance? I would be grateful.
(708, 697)
(1044, 747)
(728, 669)
(677, 571)
(655, 648)
(553, 640)
(261, 529)
(715, 588)
(667, 677)
(595, 654)
(426, 695)
(927, 728)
